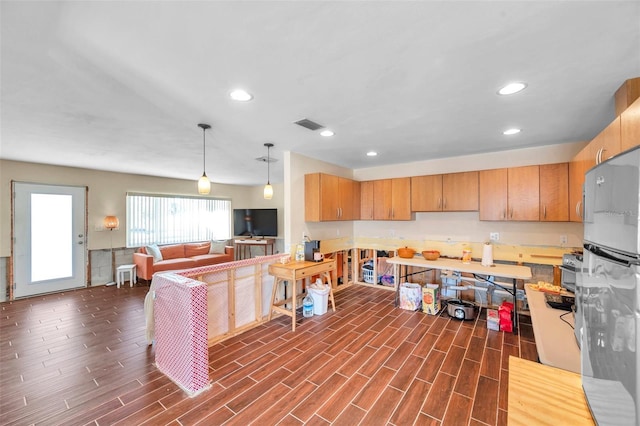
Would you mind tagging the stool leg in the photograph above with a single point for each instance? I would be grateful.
(117, 279)
(135, 276)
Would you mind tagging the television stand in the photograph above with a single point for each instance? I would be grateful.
(241, 246)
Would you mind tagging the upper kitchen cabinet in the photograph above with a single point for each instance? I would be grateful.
(630, 126)
(366, 200)
(392, 199)
(626, 95)
(426, 193)
(524, 193)
(510, 194)
(578, 166)
(448, 192)
(605, 145)
(554, 192)
(329, 197)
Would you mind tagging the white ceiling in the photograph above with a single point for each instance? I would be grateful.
(121, 86)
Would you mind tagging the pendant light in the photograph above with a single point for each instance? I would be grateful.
(204, 185)
(268, 189)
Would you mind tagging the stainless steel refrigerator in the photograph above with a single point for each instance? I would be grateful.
(608, 309)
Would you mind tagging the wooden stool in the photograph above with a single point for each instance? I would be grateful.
(123, 269)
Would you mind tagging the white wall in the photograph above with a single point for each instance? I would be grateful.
(107, 196)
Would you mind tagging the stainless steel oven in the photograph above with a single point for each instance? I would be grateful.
(571, 264)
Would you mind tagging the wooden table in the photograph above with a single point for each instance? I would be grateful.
(515, 272)
(543, 395)
(247, 243)
(293, 272)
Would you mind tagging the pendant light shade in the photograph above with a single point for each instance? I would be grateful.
(204, 184)
(268, 189)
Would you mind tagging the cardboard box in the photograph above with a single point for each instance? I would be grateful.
(493, 319)
(431, 299)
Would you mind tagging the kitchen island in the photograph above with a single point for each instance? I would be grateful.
(513, 272)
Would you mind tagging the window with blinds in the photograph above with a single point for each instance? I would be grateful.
(169, 219)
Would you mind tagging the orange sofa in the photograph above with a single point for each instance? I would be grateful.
(179, 256)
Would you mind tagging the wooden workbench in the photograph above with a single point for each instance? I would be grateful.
(543, 395)
(293, 272)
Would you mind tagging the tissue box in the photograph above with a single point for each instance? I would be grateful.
(493, 319)
(431, 299)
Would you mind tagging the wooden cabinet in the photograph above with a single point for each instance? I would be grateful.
(460, 192)
(447, 192)
(392, 199)
(523, 193)
(493, 194)
(510, 194)
(630, 127)
(329, 197)
(626, 95)
(606, 144)
(578, 166)
(366, 200)
(554, 192)
(426, 193)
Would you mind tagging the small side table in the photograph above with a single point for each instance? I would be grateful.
(293, 272)
(123, 269)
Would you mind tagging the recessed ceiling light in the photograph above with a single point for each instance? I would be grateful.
(327, 133)
(372, 154)
(240, 95)
(511, 131)
(512, 88)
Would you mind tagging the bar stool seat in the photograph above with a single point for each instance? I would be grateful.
(122, 270)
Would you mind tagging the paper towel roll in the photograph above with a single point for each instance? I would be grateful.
(487, 254)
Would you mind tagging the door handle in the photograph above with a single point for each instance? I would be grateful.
(544, 212)
(80, 242)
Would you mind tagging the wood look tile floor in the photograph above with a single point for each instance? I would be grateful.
(80, 358)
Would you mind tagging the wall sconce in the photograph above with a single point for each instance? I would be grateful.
(110, 223)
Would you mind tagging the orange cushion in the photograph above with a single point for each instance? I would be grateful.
(175, 251)
(196, 249)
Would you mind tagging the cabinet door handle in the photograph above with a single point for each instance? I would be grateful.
(544, 212)
(579, 209)
(444, 203)
(439, 203)
(511, 215)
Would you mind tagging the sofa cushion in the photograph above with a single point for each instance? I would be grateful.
(174, 264)
(196, 249)
(175, 251)
(218, 247)
(211, 259)
(154, 251)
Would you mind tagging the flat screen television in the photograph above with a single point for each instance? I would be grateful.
(255, 222)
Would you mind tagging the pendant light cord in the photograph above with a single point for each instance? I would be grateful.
(268, 166)
(204, 151)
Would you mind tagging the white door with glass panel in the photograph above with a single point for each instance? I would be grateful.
(49, 252)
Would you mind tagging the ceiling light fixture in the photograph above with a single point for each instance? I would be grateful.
(372, 154)
(327, 133)
(241, 95)
(268, 189)
(512, 88)
(511, 132)
(204, 185)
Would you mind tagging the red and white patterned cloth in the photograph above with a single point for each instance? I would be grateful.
(178, 320)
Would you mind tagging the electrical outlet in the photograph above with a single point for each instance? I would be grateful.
(494, 236)
(304, 235)
(563, 239)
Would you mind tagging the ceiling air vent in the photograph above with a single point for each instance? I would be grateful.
(308, 124)
(264, 159)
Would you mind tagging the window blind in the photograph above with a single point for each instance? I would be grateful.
(168, 219)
